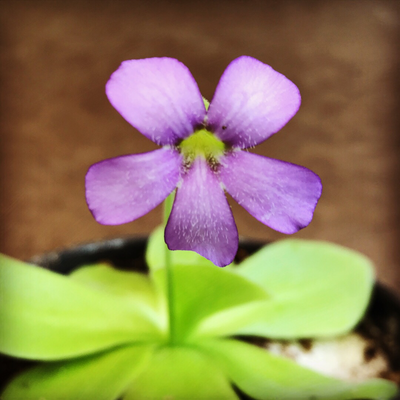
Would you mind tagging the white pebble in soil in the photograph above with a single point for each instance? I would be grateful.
(350, 357)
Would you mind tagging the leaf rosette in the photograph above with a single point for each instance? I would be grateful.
(103, 333)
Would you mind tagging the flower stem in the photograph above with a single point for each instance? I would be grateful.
(168, 271)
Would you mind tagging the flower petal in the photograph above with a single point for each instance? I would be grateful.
(279, 194)
(122, 189)
(252, 102)
(158, 96)
(201, 219)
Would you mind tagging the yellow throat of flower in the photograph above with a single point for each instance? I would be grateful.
(202, 143)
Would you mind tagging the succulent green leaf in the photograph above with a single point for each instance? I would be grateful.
(201, 291)
(316, 288)
(156, 250)
(47, 316)
(180, 373)
(268, 377)
(130, 286)
(103, 376)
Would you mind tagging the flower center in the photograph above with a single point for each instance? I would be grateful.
(202, 143)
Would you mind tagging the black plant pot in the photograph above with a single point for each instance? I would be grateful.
(381, 323)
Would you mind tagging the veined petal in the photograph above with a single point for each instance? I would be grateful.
(279, 194)
(252, 102)
(158, 96)
(122, 189)
(201, 219)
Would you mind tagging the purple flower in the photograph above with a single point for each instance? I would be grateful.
(203, 153)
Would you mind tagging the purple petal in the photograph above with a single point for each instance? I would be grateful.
(201, 219)
(122, 189)
(252, 102)
(279, 194)
(158, 96)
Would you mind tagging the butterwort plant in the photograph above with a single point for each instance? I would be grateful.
(203, 153)
(173, 333)
(105, 334)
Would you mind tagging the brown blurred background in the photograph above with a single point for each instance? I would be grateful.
(56, 121)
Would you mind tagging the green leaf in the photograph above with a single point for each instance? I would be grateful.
(48, 316)
(180, 373)
(317, 289)
(156, 250)
(130, 286)
(102, 376)
(200, 291)
(268, 377)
